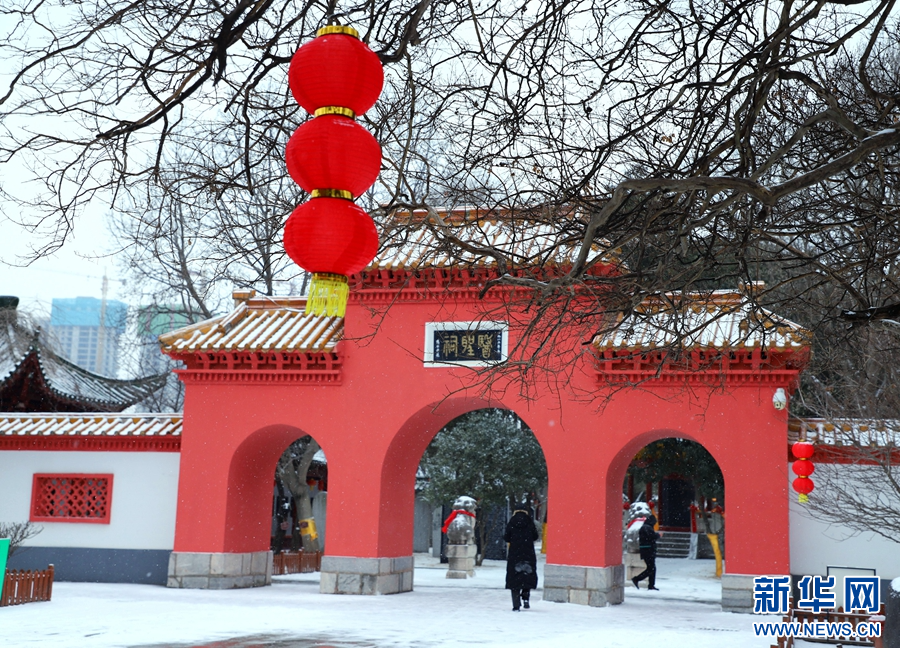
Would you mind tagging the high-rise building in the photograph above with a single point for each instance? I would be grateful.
(76, 327)
(153, 321)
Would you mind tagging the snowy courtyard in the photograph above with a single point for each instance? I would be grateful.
(685, 613)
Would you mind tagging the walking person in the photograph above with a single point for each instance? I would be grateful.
(521, 562)
(648, 537)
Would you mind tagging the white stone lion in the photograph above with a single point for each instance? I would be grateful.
(462, 528)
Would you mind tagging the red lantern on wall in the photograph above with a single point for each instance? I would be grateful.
(335, 77)
(803, 468)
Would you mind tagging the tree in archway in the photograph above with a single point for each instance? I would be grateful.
(685, 458)
(292, 468)
(490, 455)
(682, 457)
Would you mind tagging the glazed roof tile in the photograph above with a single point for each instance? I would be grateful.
(105, 425)
(259, 325)
(718, 319)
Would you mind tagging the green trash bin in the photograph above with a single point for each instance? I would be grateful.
(4, 551)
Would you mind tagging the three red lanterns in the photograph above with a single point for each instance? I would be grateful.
(334, 77)
(803, 468)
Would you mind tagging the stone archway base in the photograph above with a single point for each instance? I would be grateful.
(737, 593)
(196, 570)
(349, 575)
(594, 586)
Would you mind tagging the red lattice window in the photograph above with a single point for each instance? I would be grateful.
(71, 498)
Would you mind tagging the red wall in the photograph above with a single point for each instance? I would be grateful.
(375, 426)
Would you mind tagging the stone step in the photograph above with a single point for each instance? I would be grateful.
(674, 544)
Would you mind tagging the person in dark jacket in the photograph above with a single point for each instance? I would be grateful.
(648, 537)
(521, 562)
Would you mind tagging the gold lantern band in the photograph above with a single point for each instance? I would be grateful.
(328, 294)
(334, 110)
(332, 193)
(337, 29)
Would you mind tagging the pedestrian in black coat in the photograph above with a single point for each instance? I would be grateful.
(521, 562)
(648, 537)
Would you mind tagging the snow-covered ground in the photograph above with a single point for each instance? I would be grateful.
(685, 613)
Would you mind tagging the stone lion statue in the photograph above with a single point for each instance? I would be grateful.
(461, 529)
(637, 513)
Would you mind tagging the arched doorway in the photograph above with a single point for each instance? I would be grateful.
(683, 487)
(493, 456)
(299, 503)
(226, 522)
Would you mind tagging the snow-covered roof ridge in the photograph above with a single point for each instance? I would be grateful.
(259, 324)
(525, 242)
(117, 425)
(875, 433)
(715, 319)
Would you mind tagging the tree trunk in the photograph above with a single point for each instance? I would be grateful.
(295, 480)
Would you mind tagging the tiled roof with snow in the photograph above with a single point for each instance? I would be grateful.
(714, 320)
(90, 425)
(525, 243)
(259, 324)
(64, 379)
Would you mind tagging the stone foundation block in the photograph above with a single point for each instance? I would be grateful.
(197, 570)
(350, 575)
(461, 559)
(595, 586)
(633, 565)
(737, 593)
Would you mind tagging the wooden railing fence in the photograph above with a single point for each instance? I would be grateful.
(831, 616)
(27, 586)
(301, 562)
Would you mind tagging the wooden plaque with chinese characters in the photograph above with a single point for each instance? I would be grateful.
(468, 346)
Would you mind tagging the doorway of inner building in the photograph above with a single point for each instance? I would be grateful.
(680, 483)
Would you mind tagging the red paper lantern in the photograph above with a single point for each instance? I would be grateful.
(336, 69)
(803, 449)
(803, 468)
(804, 486)
(333, 152)
(330, 235)
(335, 77)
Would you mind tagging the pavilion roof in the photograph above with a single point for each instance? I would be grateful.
(34, 378)
(526, 242)
(259, 324)
(719, 319)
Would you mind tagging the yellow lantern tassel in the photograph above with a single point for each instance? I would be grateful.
(328, 294)
(803, 498)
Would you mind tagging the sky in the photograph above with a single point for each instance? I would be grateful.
(74, 271)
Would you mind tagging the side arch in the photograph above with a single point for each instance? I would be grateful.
(251, 470)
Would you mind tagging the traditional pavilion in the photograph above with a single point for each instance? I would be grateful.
(33, 378)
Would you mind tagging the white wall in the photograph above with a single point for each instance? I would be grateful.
(817, 545)
(144, 497)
